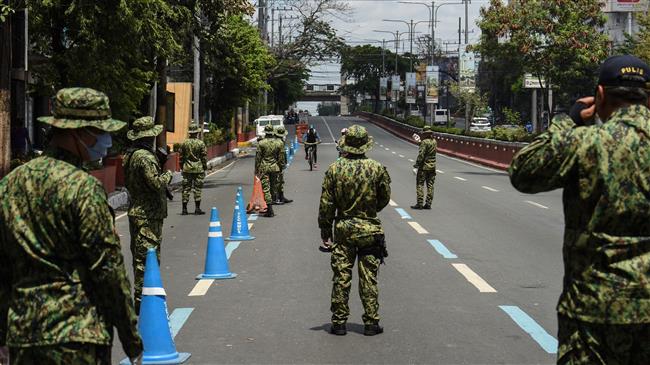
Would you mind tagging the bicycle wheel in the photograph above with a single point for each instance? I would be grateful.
(311, 159)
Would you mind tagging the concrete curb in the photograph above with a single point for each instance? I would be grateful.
(121, 198)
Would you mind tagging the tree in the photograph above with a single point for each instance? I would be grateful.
(554, 40)
(236, 63)
(471, 102)
(5, 87)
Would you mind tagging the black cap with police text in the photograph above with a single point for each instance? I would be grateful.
(626, 71)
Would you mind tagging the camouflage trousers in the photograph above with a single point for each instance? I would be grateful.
(192, 183)
(344, 253)
(62, 354)
(422, 178)
(280, 184)
(269, 185)
(145, 234)
(582, 343)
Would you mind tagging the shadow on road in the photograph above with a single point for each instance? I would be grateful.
(351, 327)
(484, 173)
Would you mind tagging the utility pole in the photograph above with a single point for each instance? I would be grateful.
(411, 51)
(433, 30)
(5, 93)
(272, 25)
(396, 50)
(466, 21)
(383, 57)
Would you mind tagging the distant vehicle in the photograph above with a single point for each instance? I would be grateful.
(441, 117)
(480, 124)
(261, 122)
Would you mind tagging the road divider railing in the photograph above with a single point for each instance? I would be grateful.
(488, 152)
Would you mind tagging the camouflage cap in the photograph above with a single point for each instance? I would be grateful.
(356, 141)
(268, 129)
(79, 107)
(144, 127)
(194, 128)
(281, 132)
(427, 129)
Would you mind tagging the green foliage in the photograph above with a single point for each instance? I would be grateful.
(176, 147)
(329, 110)
(512, 117)
(5, 10)
(471, 101)
(639, 44)
(215, 137)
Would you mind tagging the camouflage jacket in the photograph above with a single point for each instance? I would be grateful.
(146, 185)
(283, 156)
(605, 173)
(427, 156)
(61, 264)
(268, 157)
(355, 189)
(194, 156)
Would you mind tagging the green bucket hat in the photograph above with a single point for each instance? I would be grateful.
(194, 128)
(268, 130)
(144, 127)
(79, 107)
(281, 132)
(356, 141)
(427, 130)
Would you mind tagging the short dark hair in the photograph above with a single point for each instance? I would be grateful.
(618, 95)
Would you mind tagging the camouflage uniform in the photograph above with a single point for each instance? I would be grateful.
(279, 198)
(267, 163)
(426, 165)
(64, 284)
(604, 171)
(148, 205)
(194, 163)
(355, 188)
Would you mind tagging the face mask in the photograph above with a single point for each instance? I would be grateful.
(100, 149)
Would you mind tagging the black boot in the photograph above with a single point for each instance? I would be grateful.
(284, 199)
(372, 329)
(338, 329)
(184, 212)
(278, 200)
(417, 206)
(269, 212)
(198, 210)
(427, 206)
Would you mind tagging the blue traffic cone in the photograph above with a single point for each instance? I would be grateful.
(216, 261)
(153, 324)
(286, 153)
(291, 150)
(239, 230)
(240, 201)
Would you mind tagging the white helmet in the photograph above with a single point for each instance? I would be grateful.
(344, 131)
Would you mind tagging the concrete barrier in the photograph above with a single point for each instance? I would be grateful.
(488, 152)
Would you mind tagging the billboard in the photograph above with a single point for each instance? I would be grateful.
(625, 6)
(467, 69)
(433, 81)
(395, 82)
(383, 88)
(411, 87)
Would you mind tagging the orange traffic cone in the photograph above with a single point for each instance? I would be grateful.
(257, 203)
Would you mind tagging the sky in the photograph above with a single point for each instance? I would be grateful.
(366, 16)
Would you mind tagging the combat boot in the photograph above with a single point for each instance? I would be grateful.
(278, 200)
(338, 329)
(417, 206)
(198, 210)
(427, 206)
(285, 200)
(372, 329)
(184, 212)
(269, 212)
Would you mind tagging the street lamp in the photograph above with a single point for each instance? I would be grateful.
(396, 35)
(411, 26)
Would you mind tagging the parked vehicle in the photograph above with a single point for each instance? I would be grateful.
(263, 121)
(441, 117)
(480, 124)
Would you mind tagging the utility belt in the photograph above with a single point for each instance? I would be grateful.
(377, 249)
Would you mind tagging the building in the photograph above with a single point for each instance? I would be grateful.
(622, 19)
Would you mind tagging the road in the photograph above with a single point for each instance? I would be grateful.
(461, 281)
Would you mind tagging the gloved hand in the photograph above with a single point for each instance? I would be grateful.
(583, 112)
(136, 360)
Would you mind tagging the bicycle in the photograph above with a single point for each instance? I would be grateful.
(310, 154)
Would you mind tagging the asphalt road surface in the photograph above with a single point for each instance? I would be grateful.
(475, 280)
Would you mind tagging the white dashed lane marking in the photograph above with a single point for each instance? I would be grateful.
(440, 171)
(418, 228)
(459, 178)
(411, 160)
(536, 204)
(490, 189)
(392, 203)
(474, 279)
(402, 156)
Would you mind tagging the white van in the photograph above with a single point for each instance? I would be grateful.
(261, 122)
(441, 117)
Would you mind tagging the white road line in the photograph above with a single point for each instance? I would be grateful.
(381, 145)
(329, 129)
(402, 156)
(474, 279)
(440, 171)
(221, 169)
(392, 203)
(411, 160)
(201, 288)
(121, 216)
(490, 189)
(459, 178)
(418, 228)
(250, 226)
(387, 149)
(536, 204)
(394, 153)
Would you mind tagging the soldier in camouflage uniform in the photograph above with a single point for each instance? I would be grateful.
(147, 185)
(355, 188)
(194, 163)
(267, 165)
(279, 198)
(604, 308)
(426, 165)
(64, 285)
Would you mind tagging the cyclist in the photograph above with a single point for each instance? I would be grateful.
(311, 138)
(344, 131)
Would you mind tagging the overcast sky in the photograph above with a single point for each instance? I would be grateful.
(367, 15)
